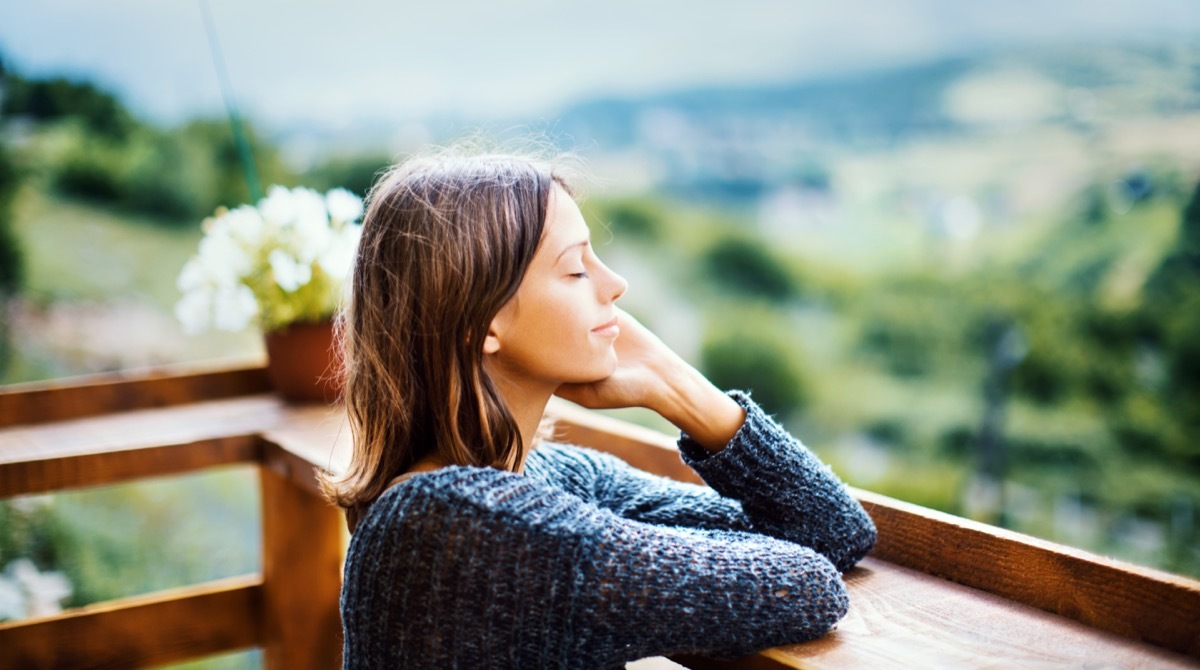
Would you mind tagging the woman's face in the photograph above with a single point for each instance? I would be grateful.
(561, 325)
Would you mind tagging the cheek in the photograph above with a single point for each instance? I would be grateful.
(560, 309)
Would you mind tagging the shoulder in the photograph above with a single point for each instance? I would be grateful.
(578, 470)
(570, 459)
(467, 500)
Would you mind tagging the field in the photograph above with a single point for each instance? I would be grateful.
(857, 315)
(100, 292)
(101, 288)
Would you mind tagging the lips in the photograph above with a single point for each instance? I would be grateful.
(609, 328)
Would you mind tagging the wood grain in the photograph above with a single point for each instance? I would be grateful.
(141, 631)
(114, 467)
(77, 397)
(302, 559)
(315, 434)
(120, 447)
(760, 661)
(1132, 601)
(900, 618)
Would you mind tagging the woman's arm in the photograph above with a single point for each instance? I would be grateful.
(764, 481)
(483, 568)
(783, 489)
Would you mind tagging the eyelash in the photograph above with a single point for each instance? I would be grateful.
(579, 275)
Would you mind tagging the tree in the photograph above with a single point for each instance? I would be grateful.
(755, 361)
(1173, 305)
(12, 265)
(59, 97)
(745, 265)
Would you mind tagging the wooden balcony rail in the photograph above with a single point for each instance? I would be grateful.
(938, 591)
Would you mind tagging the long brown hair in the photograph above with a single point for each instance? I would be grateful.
(446, 241)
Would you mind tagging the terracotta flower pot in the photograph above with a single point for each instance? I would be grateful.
(302, 363)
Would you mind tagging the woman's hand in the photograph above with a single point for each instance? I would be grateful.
(643, 364)
(649, 374)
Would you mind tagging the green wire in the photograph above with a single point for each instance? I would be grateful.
(240, 140)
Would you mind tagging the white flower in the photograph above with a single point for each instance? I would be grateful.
(246, 225)
(192, 277)
(36, 593)
(233, 308)
(289, 273)
(310, 228)
(221, 258)
(309, 208)
(343, 205)
(249, 253)
(12, 600)
(279, 207)
(194, 310)
(339, 255)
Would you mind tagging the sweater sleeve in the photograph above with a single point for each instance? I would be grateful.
(501, 571)
(764, 481)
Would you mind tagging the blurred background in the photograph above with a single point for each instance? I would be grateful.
(954, 246)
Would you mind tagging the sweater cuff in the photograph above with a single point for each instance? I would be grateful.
(759, 440)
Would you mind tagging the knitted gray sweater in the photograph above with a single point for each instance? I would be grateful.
(586, 562)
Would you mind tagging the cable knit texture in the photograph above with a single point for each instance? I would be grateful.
(585, 562)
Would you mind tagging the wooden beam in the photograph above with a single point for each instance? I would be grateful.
(316, 436)
(117, 447)
(302, 569)
(76, 397)
(1129, 600)
(901, 618)
(302, 535)
(141, 631)
(34, 474)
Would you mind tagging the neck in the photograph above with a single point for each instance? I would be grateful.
(527, 403)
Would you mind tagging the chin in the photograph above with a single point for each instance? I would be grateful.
(610, 365)
(600, 371)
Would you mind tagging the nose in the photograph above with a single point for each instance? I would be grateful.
(615, 285)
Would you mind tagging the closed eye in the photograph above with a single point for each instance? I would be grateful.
(579, 275)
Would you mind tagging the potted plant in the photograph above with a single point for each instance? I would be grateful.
(282, 266)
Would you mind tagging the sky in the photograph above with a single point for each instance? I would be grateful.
(338, 63)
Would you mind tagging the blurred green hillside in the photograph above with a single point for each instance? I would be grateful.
(1092, 392)
(1001, 321)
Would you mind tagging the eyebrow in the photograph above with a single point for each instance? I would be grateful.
(582, 243)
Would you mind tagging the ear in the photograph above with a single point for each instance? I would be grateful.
(491, 342)
(497, 328)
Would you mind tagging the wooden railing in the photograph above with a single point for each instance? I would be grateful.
(938, 591)
(289, 610)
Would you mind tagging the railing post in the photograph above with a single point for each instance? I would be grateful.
(301, 569)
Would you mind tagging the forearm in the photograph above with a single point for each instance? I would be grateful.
(699, 408)
(717, 594)
(784, 488)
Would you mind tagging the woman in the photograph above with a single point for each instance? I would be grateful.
(476, 297)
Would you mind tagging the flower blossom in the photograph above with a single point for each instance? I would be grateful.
(222, 260)
(289, 273)
(194, 310)
(343, 206)
(283, 260)
(339, 256)
(279, 207)
(234, 308)
(310, 231)
(26, 591)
